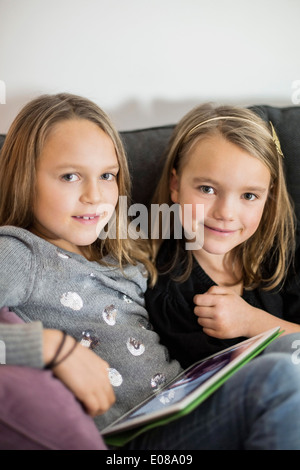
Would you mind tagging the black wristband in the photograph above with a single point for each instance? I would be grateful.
(53, 363)
(67, 355)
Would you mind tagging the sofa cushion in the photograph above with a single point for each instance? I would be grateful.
(37, 412)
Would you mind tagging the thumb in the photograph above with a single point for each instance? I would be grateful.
(218, 290)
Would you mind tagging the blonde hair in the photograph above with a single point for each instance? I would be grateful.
(23, 145)
(264, 257)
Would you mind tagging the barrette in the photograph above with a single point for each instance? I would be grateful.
(276, 140)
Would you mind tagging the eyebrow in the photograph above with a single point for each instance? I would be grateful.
(71, 167)
(248, 189)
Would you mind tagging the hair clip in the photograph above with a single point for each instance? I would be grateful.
(276, 140)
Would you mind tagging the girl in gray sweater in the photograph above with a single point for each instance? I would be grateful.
(68, 265)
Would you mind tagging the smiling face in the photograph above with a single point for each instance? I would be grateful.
(76, 185)
(231, 184)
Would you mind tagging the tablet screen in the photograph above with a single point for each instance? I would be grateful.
(188, 382)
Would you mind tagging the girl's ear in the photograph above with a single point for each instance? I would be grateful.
(174, 185)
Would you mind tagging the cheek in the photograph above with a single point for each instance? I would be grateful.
(252, 220)
(116, 194)
(58, 201)
(112, 197)
(113, 200)
(50, 204)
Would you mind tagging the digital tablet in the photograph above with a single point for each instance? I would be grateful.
(193, 385)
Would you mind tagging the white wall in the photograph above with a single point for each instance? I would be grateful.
(146, 62)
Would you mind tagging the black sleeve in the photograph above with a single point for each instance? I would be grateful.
(291, 292)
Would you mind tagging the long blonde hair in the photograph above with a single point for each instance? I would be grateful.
(23, 145)
(264, 257)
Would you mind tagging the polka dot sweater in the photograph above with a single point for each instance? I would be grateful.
(99, 305)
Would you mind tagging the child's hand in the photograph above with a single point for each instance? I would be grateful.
(83, 372)
(222, 313)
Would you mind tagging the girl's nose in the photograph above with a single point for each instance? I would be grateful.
(91, 193)
(224, 209)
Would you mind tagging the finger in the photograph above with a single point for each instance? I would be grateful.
(96, 405)
(206, 323)
(205, 300)
(212, 332)
(203, 312)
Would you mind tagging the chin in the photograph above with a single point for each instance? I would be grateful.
(84, 243)
(213, 250)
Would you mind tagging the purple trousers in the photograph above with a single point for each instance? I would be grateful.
(37, 412)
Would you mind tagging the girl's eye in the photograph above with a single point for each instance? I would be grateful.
(70, 177)
(249, 196)
(207, 190)
(107, 176)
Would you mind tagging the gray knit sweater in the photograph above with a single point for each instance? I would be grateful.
(22, 344)
(102, 307)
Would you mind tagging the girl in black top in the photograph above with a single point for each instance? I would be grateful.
(220, 281)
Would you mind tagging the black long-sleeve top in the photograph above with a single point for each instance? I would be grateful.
(171, 309)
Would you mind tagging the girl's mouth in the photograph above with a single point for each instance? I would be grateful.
(89, 219)
(86, 217)
(219, 230)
